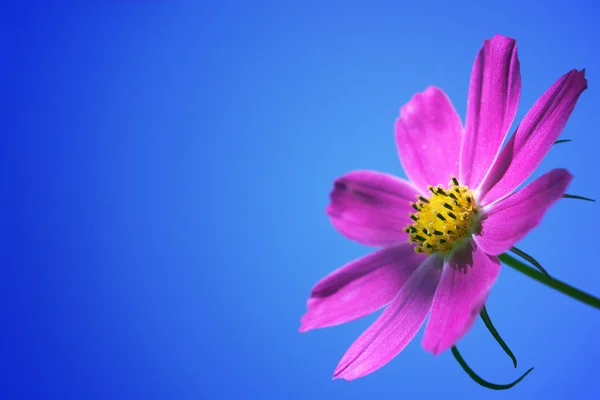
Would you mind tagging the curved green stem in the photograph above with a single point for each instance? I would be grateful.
(479, 379)
(532, 260)
(562, 141)
(488, 324)
(551, 282)
(574, 196)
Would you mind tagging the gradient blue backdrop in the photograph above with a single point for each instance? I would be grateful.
(165, 169)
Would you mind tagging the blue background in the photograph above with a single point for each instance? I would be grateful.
(165, 167)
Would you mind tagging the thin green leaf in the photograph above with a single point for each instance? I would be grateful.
(562, 141)
(480, 380)
(532, 260)
(550, 282)
(572, 196)
(488, 323)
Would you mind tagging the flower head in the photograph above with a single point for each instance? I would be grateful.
(441, 232)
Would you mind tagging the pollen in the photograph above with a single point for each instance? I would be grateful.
(444, 220)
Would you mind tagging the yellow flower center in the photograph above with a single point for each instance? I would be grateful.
(443, 220)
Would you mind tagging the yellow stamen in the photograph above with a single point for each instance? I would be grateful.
(444, 220)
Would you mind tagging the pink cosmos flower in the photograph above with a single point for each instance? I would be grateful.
(438, 255)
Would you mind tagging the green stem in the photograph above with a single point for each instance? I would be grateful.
(562, 141)
(531, 260)
(488, 324)
(574, 196)
(479, 379)
(551, 282)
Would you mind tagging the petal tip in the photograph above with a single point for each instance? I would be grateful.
(430, 347)
(578, 78)
(335, 196)
(585, 81)
(345, 376)
(435, 349)
(330, 210)
(415, 102)
(337, 373)
(341, 370)
(308, 322)
(432, 89)
(563, 175)
(565, 172)
(337, 376)
(502, 38)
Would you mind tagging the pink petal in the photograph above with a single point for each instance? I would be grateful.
(396, 326)
(493, 100)
(509, 220)
(371, 207)
(428, 135)
(360, 287)
(462, 292)
(534, 137)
